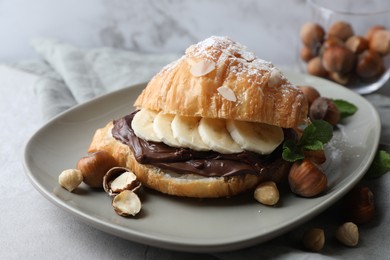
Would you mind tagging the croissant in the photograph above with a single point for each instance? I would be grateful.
(216, 79)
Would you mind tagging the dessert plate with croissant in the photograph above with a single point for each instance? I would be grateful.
(200, 137)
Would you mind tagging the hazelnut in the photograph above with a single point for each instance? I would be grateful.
(380, 42)
(370, 32)
(324, 109)
(369, 65)
(307, 179)
(94, 166)
(338, 59)
(312, 35)
(315, 68)
(357, 44)
(332, 41)
(341, 30)
(314, 239)
(342, 79)
(118, 179)
(306, 53)
(70, 179)
(359, 205)
(126, 203)
(310, 93)
(348, 234)
(267, 193)
(317, 156)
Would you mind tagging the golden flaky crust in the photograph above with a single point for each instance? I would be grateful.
(187, 185)
(261, 92)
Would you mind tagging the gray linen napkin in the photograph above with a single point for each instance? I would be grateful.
(70, 75)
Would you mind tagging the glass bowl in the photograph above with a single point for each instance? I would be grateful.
(362, 16)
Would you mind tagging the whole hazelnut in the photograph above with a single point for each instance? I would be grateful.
(369, 65)
(94, 166)
(306, 54)
(341, 30)
(312, 35)
(306, 179)
(310, 93)
(315, 67)
(332, 41)
(370, 32)
(380, 42)
(348, 234)
(338, 59)
(357, 44)
(316, 156)
(314, 239)
(359, 205)
(342, 79)
(324, 109)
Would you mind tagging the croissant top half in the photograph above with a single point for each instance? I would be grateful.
(219, 78)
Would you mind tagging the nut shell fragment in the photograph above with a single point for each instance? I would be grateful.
(126, 203)
(118, 179)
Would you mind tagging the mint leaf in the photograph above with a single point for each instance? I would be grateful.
(291, 151)
(317, 131)
(379, 166)
(346, 108)
(314, 137)
(314, 145)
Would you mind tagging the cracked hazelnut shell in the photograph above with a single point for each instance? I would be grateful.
(127, 203)
(118, 179)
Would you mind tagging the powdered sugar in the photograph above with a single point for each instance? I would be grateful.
(243, 63)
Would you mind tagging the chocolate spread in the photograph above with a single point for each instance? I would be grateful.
(184, 160)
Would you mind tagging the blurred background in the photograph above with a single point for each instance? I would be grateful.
(270, 28)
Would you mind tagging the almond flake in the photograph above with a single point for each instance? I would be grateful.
(202, 68)
(227, 93)
(248, 56)
(275, 77)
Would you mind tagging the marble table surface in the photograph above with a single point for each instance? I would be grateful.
(34, 228)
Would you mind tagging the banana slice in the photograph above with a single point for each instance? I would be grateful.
(185, 131)
(215, 135)
(162, 128)
(142, 125)
(255, 137)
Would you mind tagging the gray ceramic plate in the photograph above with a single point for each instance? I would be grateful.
(191, 224)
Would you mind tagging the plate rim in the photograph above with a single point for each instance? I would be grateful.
(174, 244)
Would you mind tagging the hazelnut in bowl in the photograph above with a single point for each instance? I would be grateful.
(347, 42)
